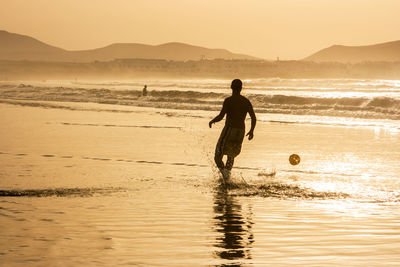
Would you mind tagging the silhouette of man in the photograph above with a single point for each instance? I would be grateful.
(144, 93)
(230, 141)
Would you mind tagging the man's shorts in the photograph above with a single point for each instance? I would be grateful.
(230, 141)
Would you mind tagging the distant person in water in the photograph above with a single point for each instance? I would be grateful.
(144, 93)
(230, 141)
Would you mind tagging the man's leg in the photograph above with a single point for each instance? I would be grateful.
(218, 159)
(229, 163)
(220, 148)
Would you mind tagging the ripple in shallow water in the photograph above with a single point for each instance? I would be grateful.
(60, 192)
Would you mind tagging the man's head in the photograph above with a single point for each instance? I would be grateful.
(236, 85)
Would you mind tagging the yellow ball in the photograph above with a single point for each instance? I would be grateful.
(294, 159)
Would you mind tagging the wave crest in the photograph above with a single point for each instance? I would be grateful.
(377, 107)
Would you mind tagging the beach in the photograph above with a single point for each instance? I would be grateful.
(95, 174)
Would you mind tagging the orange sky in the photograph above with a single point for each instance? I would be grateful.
(290, 29)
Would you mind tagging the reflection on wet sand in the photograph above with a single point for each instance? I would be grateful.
(235, 236)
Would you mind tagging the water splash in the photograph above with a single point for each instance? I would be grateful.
(275, 189)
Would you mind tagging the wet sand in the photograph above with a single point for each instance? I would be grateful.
(137, 186)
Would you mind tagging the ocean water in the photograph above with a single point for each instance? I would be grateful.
(94, 173)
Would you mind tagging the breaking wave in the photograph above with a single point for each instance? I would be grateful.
(371, 106)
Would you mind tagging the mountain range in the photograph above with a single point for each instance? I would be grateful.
(383, 52)
(21, 47)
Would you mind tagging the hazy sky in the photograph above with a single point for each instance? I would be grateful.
(290, 29)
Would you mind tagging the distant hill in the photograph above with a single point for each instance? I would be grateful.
(354, 54)
(169, 51)
(21, 47)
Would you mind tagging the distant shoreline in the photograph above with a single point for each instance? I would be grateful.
(217, 68)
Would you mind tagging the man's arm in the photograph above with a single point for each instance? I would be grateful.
(220, 115)
(253, 122)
